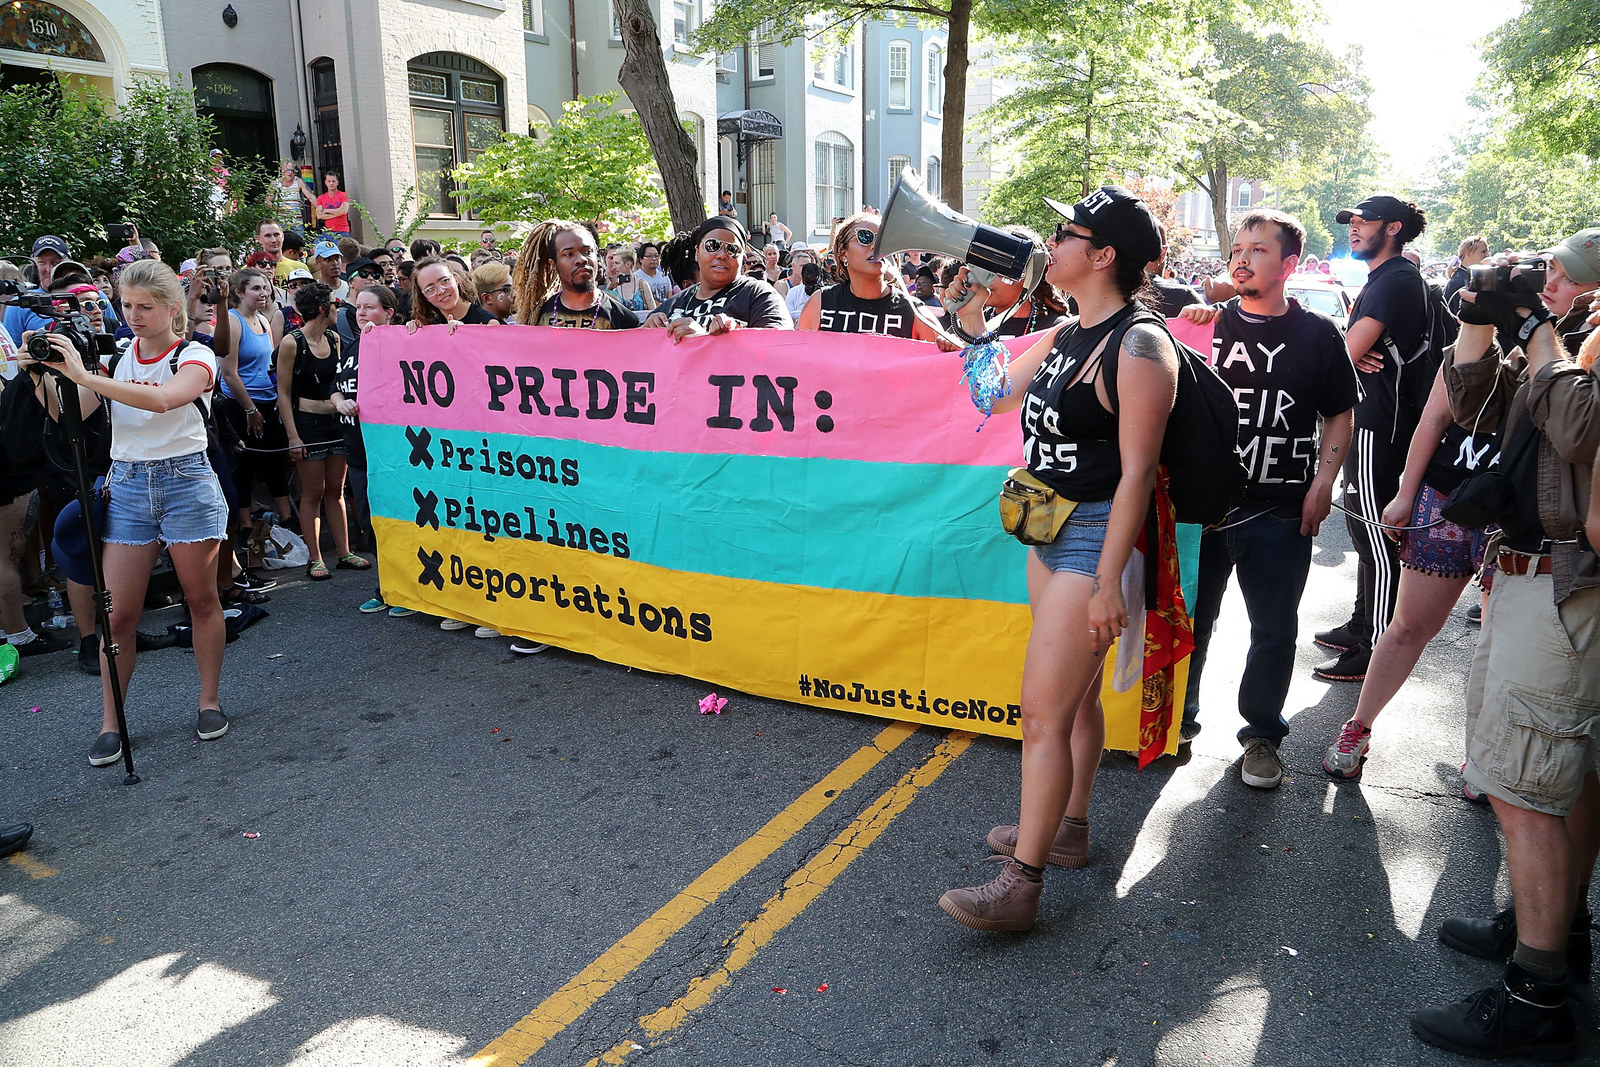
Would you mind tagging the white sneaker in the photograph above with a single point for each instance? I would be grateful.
(486, 631)
(453, 624)
(524, 647)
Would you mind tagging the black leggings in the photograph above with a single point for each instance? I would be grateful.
(272, 468)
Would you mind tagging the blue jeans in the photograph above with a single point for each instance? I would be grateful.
(1272, 559)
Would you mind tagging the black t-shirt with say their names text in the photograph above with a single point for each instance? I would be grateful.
(1286, 372)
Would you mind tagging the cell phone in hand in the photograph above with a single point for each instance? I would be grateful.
(119, 234)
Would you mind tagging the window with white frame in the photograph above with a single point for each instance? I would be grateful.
(682, 22)
(933, 175)
(695, 128)
(899, 76)
(616, 25)
(1244, 194)
(896, 165)
(763, 53)
(935, 80)
(835, 166)
(533, 16)
(836, 70)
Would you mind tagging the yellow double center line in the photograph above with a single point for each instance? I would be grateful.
(568, 1003)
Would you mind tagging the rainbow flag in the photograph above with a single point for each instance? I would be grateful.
(804, 516)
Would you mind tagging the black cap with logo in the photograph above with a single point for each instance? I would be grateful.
(1378, 209)
(1117, 218)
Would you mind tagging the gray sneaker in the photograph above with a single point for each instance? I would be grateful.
(1069, 849)
(1261, 768)
(107, 749)
(1344, 756)
(211, 724)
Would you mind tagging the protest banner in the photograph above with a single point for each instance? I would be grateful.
(803, 516)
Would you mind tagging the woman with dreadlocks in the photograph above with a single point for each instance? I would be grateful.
(555, 281)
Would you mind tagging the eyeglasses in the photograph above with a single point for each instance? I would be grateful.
(1062, 233)
(865, 236)
(438, 287)
(504, 290)
(712, 246)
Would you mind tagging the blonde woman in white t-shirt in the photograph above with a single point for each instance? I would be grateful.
(163, 490)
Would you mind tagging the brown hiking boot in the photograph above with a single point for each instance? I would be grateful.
(1010, 902)
(1069, 849)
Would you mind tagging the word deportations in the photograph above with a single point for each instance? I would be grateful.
(590, 599)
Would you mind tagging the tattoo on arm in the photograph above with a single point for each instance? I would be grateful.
(1146, 343)
(1096, 590)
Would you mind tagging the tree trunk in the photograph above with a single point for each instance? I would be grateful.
(644, 78)
(1088, 131)
(952, 137)
(1217, 176)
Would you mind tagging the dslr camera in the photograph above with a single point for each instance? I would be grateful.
(72, 323)
(1524, 277)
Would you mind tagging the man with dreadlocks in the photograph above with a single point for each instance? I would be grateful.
(555, 281)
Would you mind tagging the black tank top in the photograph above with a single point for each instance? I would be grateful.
(1069, 439)
(313, 376)
(843, 312)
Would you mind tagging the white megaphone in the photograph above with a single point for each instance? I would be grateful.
(913, 220)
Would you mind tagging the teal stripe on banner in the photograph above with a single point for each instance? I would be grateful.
(921, 530)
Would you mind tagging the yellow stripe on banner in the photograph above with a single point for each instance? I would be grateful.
(800, 891)
(568, 1003)
(950, 663)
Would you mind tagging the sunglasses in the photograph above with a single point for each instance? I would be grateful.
(865, 237)
(371, 275)
(712, 246)
(1062, 233)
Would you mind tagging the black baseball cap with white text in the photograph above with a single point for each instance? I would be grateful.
(1117, 218)
(1378, 209)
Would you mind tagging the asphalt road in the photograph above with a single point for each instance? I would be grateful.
(448, 836)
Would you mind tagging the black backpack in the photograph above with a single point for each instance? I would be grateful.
(1201, 447)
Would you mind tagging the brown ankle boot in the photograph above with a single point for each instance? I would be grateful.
(1069, 849)
(1010, 902)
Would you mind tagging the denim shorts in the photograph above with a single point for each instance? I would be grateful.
(1077, 547)
(177, 501)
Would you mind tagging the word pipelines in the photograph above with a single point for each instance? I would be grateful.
(591, 599)
(821, 691)
(492, 524)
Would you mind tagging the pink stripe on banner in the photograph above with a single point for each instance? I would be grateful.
(751, 392)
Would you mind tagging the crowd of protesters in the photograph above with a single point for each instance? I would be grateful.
(232, 401)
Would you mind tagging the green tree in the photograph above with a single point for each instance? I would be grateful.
(1316, 190)
(1292, 104)
(1514, 202)
(1546, 63)
(73, 164)
(1115, 95)
(595, 162)
(735, 23)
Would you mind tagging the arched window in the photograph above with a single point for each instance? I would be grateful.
(933, 174)
(238, 101)
(935, 80)
(538, 122)
(835, 168)
(457, 110)
(899, 76)
(1244, 194)
(896, 165)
